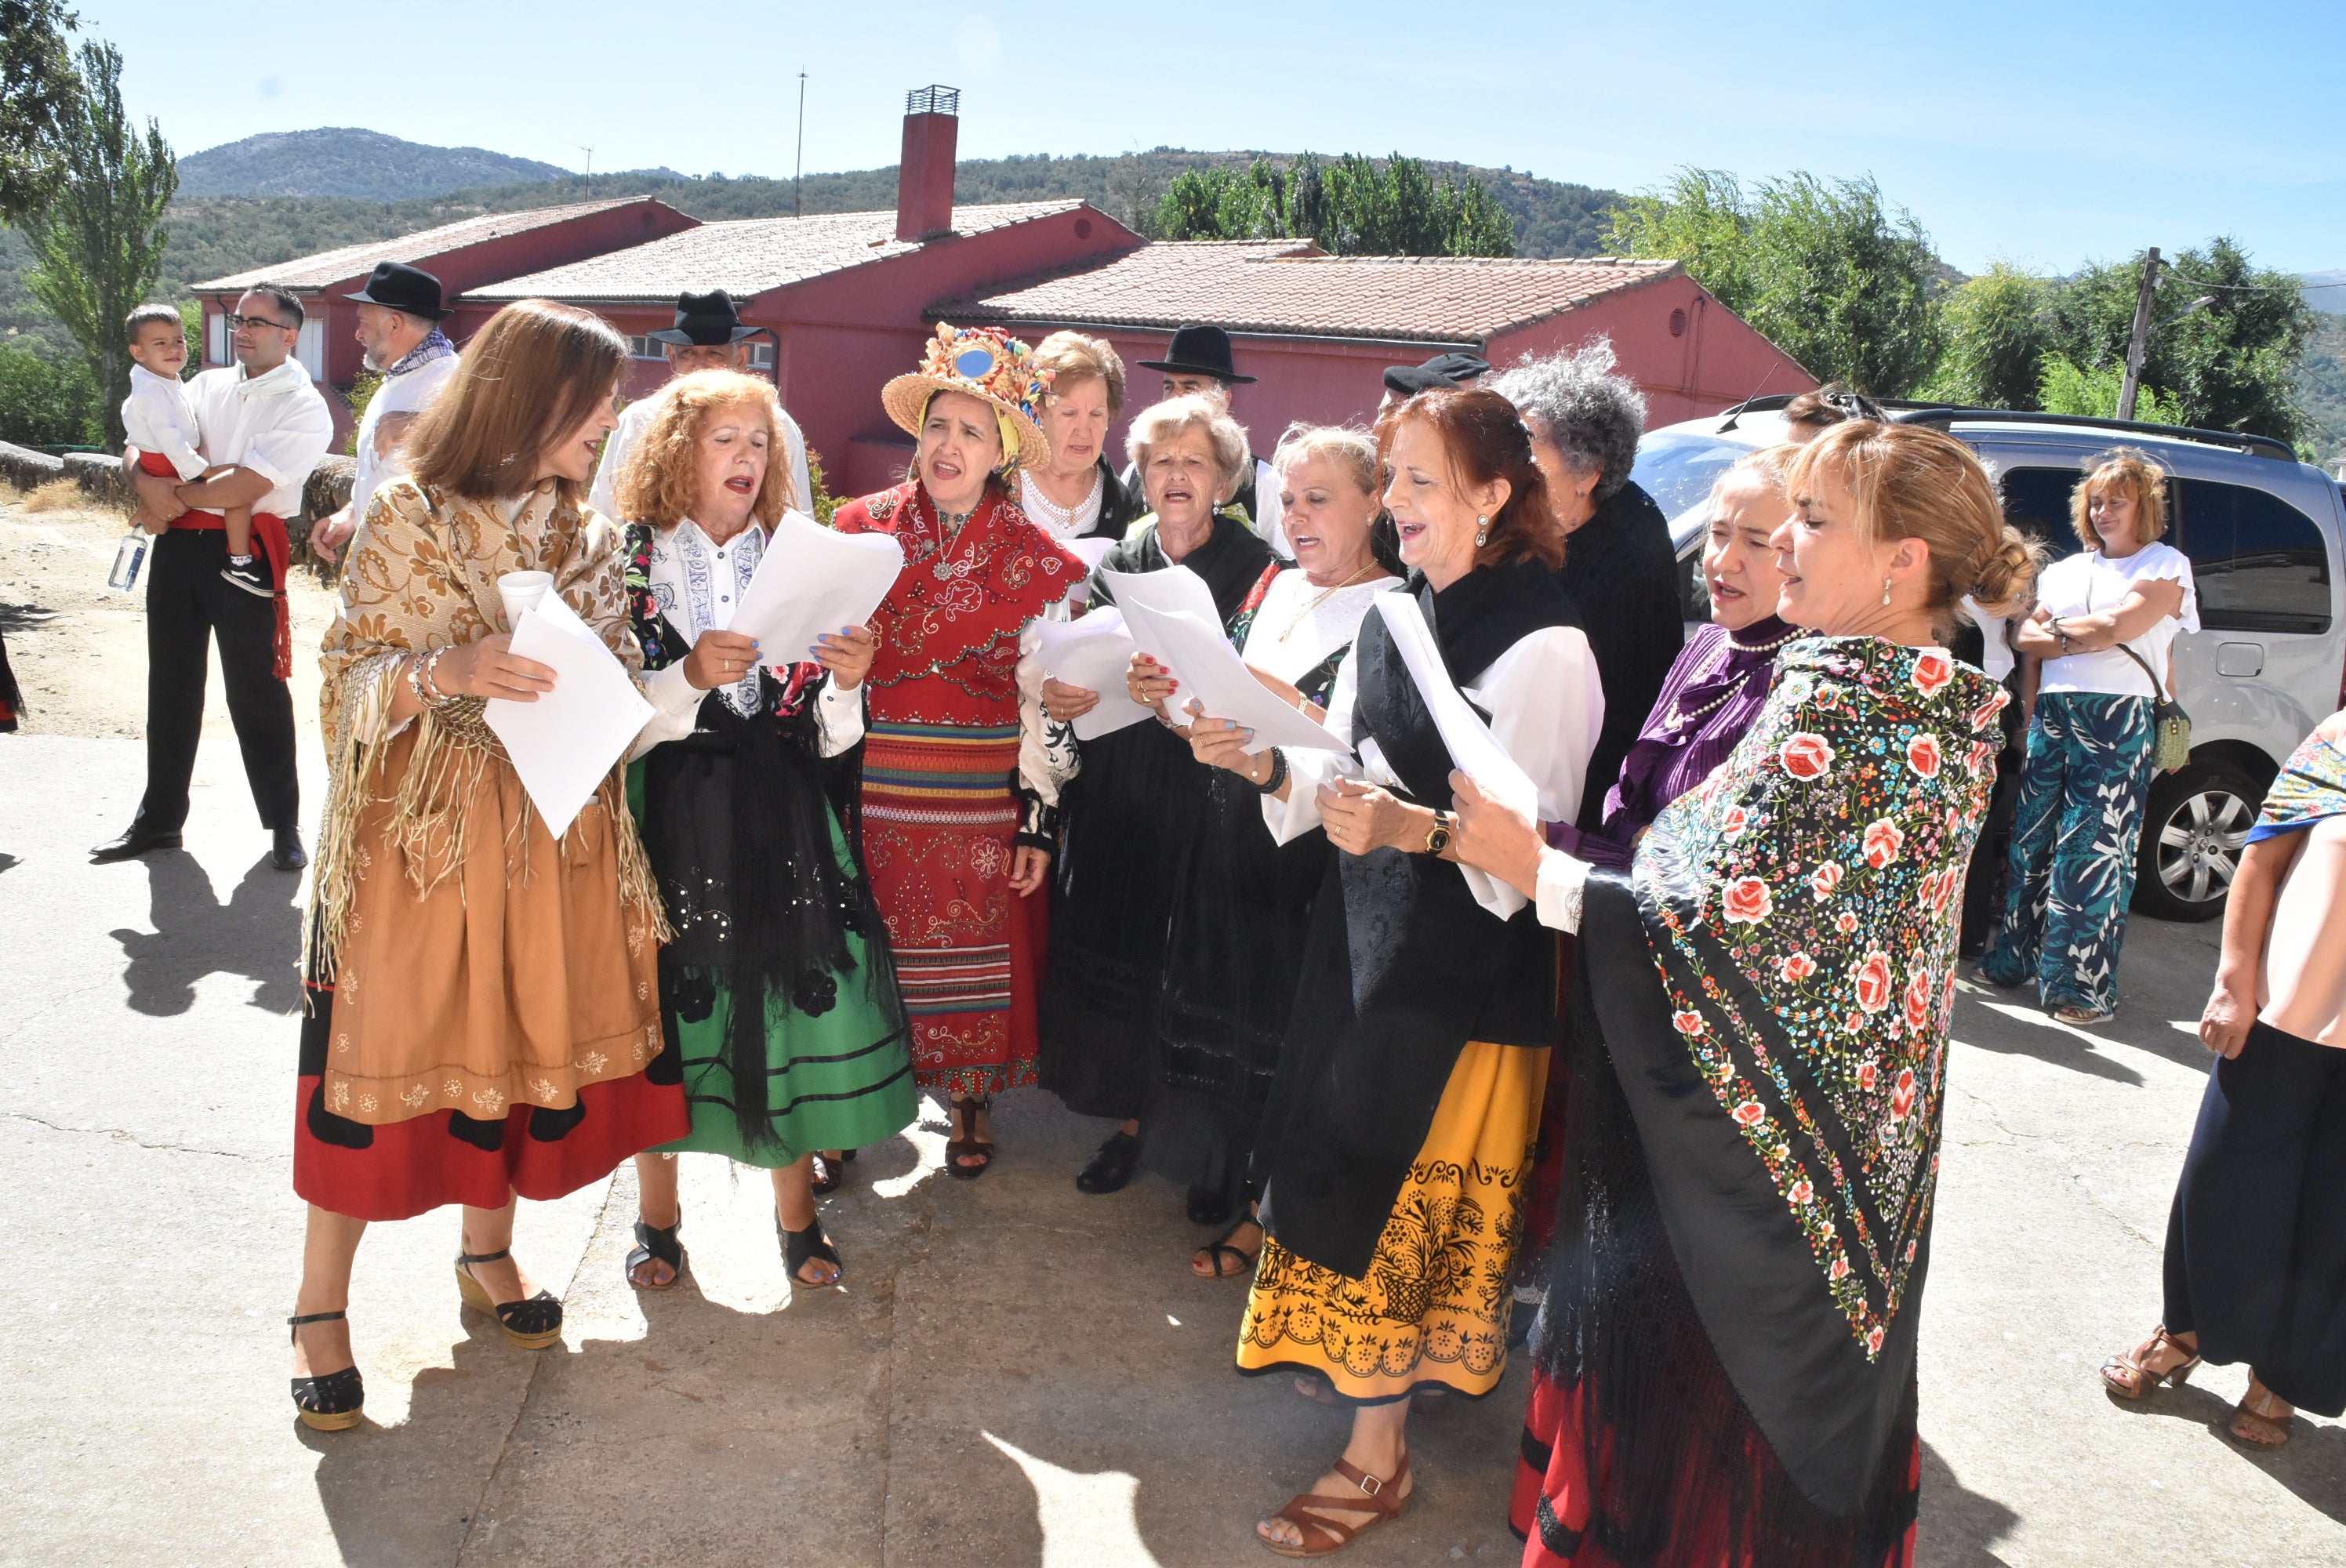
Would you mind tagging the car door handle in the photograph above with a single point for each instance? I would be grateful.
(2239, 660)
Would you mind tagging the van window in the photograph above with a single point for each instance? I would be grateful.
(2036, 502)
(1676, 467)
(2259, 562)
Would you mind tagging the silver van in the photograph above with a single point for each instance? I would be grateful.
(2267, 538)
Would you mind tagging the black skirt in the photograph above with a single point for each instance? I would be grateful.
(1241, 905)
(1136, 804)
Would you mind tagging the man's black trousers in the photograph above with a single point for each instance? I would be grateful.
(187, 605)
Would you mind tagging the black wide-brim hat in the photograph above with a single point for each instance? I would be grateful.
(396, 286)
(704, 322)
(1198, 350)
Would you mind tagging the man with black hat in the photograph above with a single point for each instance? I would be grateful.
(707, 336)
(400, 315)
(1198, 363)
(1403, 382)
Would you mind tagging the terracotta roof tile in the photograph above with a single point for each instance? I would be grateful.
(329, 267)
(748, 256)
(1287, 286)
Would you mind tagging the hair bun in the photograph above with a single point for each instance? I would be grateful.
(2000, 580)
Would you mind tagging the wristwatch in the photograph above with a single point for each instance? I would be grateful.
(1437, 838)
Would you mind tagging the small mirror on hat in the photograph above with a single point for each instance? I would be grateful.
(973, 364)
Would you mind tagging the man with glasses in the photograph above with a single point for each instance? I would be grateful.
(707, 336)
(265, 421)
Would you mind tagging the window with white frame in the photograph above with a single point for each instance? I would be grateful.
(311, 349)
(761, 355)
(216, 338)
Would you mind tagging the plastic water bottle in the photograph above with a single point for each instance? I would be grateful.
(128, 556)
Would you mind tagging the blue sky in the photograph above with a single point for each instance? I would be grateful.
(2046, 134)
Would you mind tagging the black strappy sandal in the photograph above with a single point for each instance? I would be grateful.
(333, 1402)
(829, 1172)
(800, 1246)
(533, 1324)
(965, 1115)
(1214, 1251)
(653, 1245)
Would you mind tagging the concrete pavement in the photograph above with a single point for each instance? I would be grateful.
(1013, 1373)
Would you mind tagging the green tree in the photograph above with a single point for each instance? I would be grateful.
(1832, 275)
(46, 401)
(39, 92)
(2230, 364)
(1999, 331)
(1354, 206)
(100, 244)
(2067, 387)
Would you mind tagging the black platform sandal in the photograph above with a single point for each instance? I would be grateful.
(533, 1324)
(654, 1244)
(800, 1246)
(830, 1170)
(1214, 1251)
(964, 1119)
(333, 1402)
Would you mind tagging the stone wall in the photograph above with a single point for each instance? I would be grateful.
(26, 469)
(100, 477)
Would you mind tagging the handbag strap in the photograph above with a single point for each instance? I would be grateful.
(2157, 689)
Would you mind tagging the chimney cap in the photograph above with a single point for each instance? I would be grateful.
(933, 99)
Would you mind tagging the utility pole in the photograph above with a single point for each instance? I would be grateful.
(798, 174)
(2138, 345)
(589, 151)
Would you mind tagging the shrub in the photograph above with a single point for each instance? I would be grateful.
(45, 401)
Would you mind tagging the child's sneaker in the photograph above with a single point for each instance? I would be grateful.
(250, 573)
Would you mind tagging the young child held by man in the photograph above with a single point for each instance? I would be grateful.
(158, 420)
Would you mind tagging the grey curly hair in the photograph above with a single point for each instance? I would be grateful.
(1574, 401)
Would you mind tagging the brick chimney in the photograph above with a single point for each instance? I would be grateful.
(924, 175)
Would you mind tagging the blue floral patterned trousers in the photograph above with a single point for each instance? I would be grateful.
(2073, 835)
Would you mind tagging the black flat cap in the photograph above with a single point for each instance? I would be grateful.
(1453, 370)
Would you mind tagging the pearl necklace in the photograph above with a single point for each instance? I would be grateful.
(1679, 716)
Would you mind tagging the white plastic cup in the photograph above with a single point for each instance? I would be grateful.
(520, 590)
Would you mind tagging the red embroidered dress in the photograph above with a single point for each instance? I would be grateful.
(947, 791)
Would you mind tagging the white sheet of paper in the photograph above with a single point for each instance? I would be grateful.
(1471, 745)
(812, 580)
(1171, 615)
(564, 743)
(1094, 652)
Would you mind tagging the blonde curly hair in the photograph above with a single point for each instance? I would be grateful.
(661, 483)
(2133, 470)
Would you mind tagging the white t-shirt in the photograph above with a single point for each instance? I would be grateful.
(157, 417)
(2090, 583)
(603, 496)
(409, 392)
(275, 424)
(1996, 654)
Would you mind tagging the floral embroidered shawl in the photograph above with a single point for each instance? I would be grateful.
(1802, 911)
(2311, 786)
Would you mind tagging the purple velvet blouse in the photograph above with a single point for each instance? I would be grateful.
(1708, 699)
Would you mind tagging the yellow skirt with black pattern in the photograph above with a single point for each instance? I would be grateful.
(1434, 1306)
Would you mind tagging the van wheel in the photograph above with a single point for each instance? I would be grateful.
(2194, 828)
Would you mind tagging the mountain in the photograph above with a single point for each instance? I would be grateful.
(339, 161)
(2325, 291)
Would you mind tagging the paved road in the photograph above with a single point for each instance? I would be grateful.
(1015, 1373)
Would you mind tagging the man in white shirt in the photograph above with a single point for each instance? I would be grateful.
(707, 336)
(400, 315)
(266, 422)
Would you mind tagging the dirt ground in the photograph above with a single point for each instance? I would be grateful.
(80, 648)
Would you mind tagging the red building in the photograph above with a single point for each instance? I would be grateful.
(849, 296)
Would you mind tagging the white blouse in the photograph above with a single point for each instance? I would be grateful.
(2090, 583)
(1546, 705)
(695, 583)
(1297, 625)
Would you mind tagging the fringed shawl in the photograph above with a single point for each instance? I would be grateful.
(422, 573)
(1788, 1075)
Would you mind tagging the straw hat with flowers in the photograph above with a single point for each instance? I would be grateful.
(982, 362)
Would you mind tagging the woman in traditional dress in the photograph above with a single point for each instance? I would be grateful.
(1727, 1350)
(2256, 1243)
(1241, 900)
(961, 768)
(1427, 1007)
(777, 998)
(1137, 800)
(481, 1012)
(1076, 495)
(2105, 628)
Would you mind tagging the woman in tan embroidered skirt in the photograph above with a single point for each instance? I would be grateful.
(482, 999)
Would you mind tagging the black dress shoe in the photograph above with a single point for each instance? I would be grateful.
(136, 841)
(1209, 1205)
(288, 854)
(1111, 1168)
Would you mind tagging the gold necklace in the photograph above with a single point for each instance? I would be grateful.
(1326, 594)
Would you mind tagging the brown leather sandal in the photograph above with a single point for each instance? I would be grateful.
(2253, 1421)
(1377, 1499)
(2139, 1379)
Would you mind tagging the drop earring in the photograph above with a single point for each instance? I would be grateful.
(1483, 534)
(1885, 593)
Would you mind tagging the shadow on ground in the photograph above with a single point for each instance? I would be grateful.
(257, 935)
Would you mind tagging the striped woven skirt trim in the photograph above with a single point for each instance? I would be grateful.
(940, 776)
